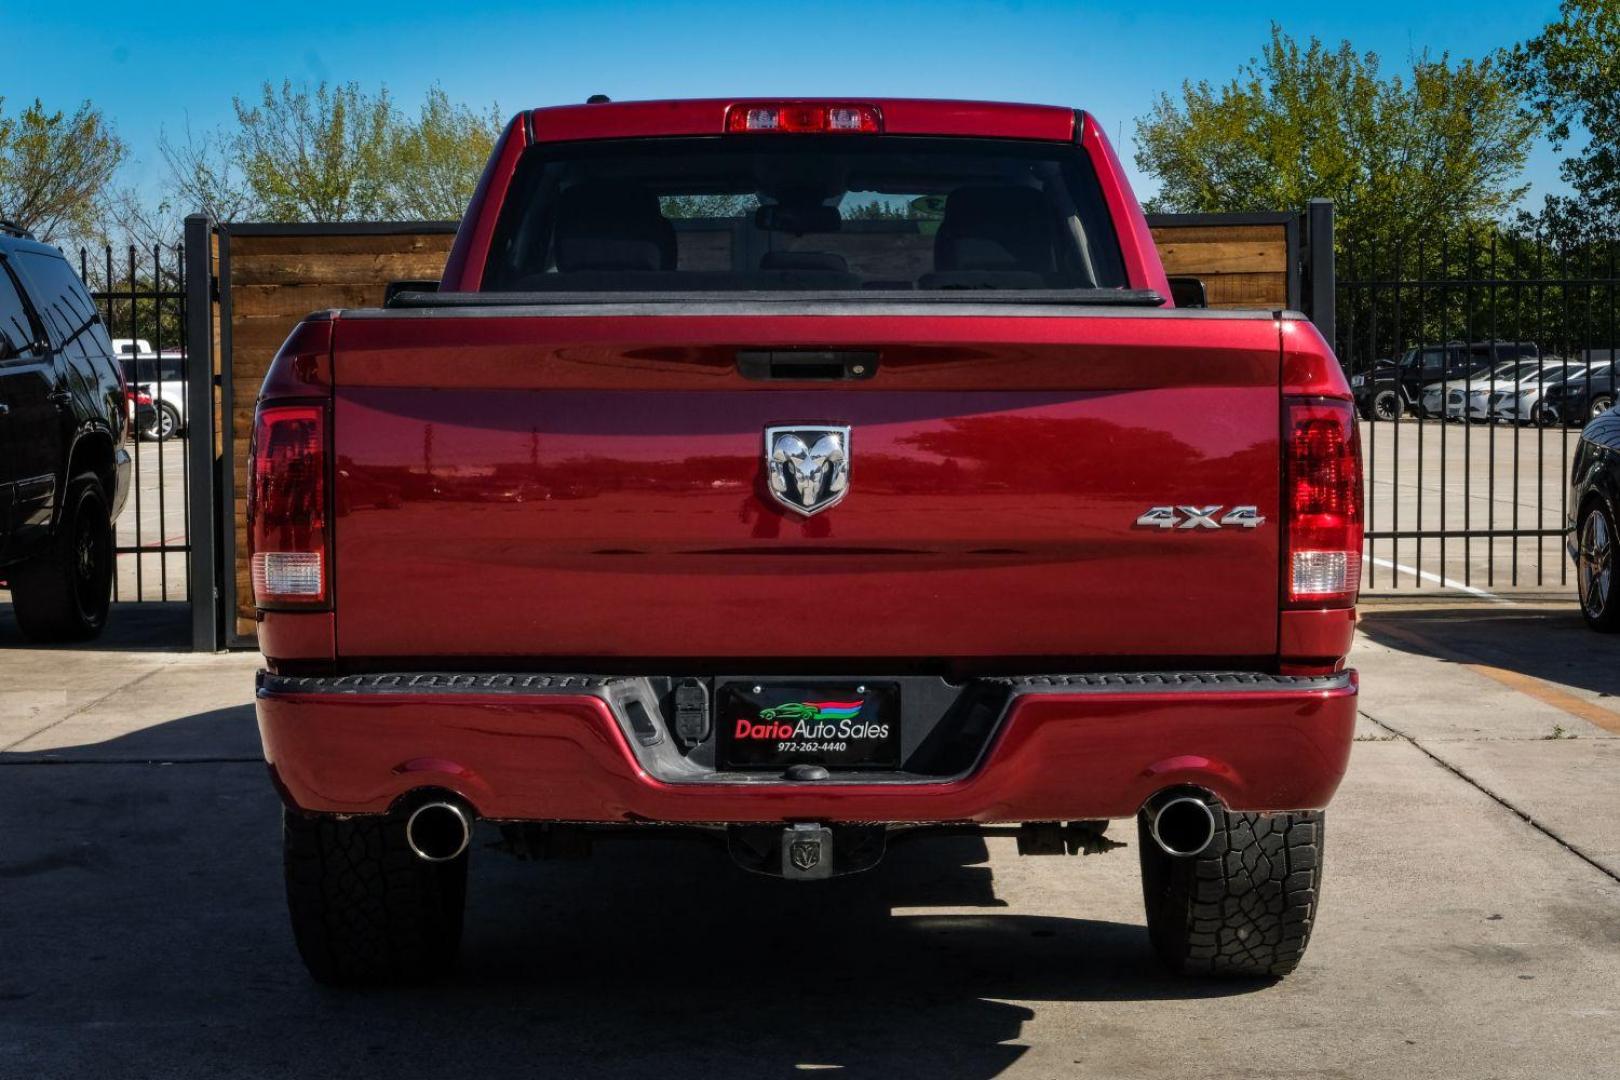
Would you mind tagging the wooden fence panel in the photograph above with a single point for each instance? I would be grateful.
(1244, 261)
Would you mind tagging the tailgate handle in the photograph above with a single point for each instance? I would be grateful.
(827, 365)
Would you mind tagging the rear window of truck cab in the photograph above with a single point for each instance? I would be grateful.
(771, 212)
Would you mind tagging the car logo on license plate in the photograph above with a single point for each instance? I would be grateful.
(807, 465)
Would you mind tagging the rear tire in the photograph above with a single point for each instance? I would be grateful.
(1244, 907)
(62, 594)
(165, 423)
(1387, 405)
(364, 908)
(1600, 405)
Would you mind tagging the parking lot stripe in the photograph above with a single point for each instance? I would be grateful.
(1443, 582)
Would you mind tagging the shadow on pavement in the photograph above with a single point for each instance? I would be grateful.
(152, 626)
(1550, 643)
(146, 935)
(228, 734)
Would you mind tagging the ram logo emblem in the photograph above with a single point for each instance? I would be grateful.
(805, 854)
(1202, 517)
(807, 466)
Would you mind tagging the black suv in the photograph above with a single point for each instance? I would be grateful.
(1392, 388)
(64, 418)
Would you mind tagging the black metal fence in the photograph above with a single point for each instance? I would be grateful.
(1475, 366)
(142, 296)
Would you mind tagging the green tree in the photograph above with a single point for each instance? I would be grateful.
(316, 155)
(1405, 158)
(707, 206)
(877, 210)
(330, 153)
(434, 162)
(56, 169)
(1570, 73)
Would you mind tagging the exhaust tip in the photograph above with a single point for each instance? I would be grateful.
(1183, 826)
(438, 831)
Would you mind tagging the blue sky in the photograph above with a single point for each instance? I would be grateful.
(152, 66)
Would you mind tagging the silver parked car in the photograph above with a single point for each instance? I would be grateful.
(1512, 405)
(1451, 398)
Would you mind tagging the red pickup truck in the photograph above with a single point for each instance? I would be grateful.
(808, 474)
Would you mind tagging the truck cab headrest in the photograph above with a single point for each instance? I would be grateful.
(609, 225)
(996, 228)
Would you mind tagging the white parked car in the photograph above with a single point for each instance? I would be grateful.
(1517, 404)
(163, 376)
(1456, 393)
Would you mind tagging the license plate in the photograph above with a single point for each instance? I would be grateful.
(839, 725)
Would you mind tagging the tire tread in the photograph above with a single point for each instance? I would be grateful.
(364, 908)
(1246, 906)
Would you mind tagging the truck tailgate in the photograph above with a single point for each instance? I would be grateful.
(593, 486)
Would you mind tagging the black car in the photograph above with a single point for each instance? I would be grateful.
(1393, 388)
(64, 418)
(1593, 499)
(1579, 399)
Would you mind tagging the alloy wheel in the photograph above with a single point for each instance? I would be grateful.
(92, 561)
(1596, 562)
(163, 426)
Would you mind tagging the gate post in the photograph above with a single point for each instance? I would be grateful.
(202, 425)
(1320, 269)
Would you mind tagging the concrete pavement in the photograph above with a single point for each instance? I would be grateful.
(1470, 923)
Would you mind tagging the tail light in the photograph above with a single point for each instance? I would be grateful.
(135, 399)
(803, 118)
(287, 512)
(1322, 497)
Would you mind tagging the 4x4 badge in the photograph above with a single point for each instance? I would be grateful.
(1202, 517)
(807, 465)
